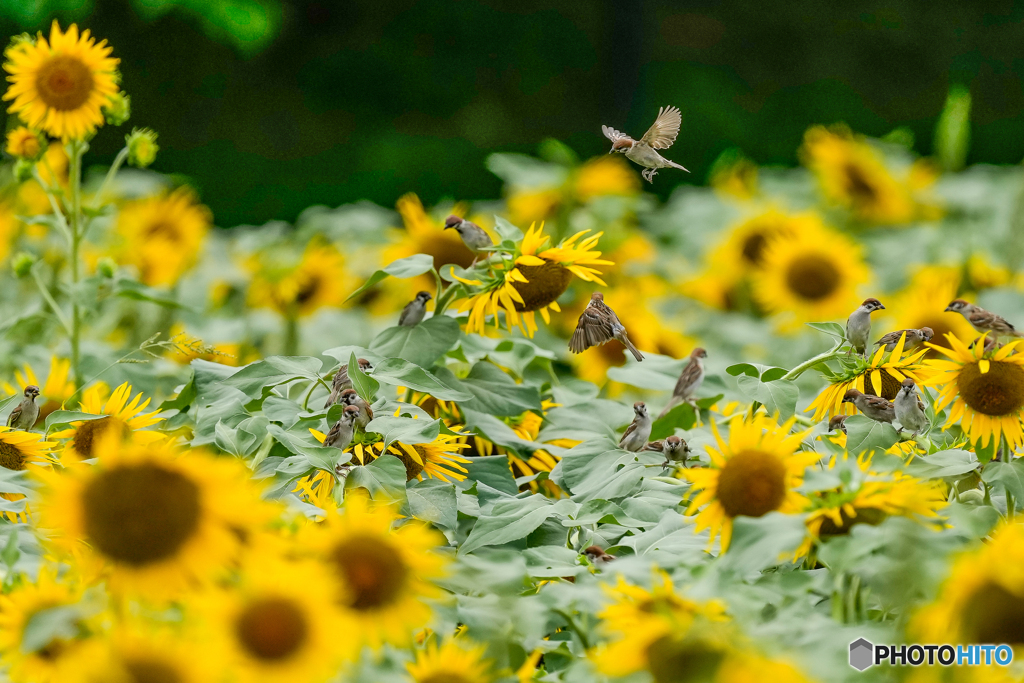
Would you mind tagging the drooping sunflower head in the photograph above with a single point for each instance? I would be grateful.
(753, 473)
(318, 280)
(61, 85)
(458, 660)
(118, 415)
(921, 303)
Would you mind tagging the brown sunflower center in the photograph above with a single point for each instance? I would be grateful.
(998, 392)
(546, 284)
(309, 289)
(88, 433)
(672, 661)
(447, 249)
(373, 571)
(164, 230)
(64, 83)
(140, 514)
(994, 615)
(753, 248)
(412, 468)
(869, 516)
(11, 456)
(151, 671)
(939, 330)
(860, 189)
(812, 277)
(890, 385)
(752, 483)
(272, 629)
(445, 677)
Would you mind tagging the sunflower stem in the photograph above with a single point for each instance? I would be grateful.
(443, 301)
(111, 172)
(75, 173)
(810, 363)
(291, 335)
(57, 311)
(58, 213)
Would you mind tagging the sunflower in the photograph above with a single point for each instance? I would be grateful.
(603, 176)
(734, 176)
(141, 653)
(743, 249)
(531, 204)
(162, 235)
(457, 661)
(18, 450)
(61, 85)
(881, 375)
(25, 143)
(756, 472)
(921, 303)
(119, 413)
(157, 518)
(813, 276)
(438, 459)
(57, 388)
(186, 348)
(383, 575)
(986, 389)
(534, 282)
(318, 280)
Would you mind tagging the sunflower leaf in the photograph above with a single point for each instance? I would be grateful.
(831, 329)
(506, 231)
(364, 385)
(404, 429)
(864, 434)
(1008, 476)
(400, 372)
(403, 268)
(495, 392)
(421, 344)
(64, 418)
(512, 520)
(433, 501)
(385, 475)
(682, 416)
(780, 395)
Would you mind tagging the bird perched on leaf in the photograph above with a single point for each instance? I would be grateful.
(599, 324)
(350, 398)
(910, 408)
(689, 381)
(915, 337)
(874, 407)
(412, 314)
(473, 236)
(858, 325)
(342, 382)
(982, 320)
(639, 430)
(661, 135)
(673, 448)
(26, 413)
(340, 436)
(597, 555)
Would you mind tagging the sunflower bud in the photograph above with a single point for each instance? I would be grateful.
(118, 109)
(22, 264)
(19, 40)
(106, 267)
(23, 170)
(142, 147)
(25, 143)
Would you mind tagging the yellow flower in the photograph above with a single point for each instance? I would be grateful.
(121, 415)
(735, 176)
(143, 653)
(529, 205)
(457, 661)
(424, 235)
(18, 450)
(756, 472)
(879, 376)
(319, 280)
(9, 225)
(61, 85)
(163, 235)
(534, 282)
(438, 459)
(921, 303)
(57, 388)
(187, 348)
(986, 390)
(602, 176)
(25, 143)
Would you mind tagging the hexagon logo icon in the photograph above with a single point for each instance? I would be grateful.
(862, 654)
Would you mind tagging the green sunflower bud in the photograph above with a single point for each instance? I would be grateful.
(142, 147)
(118, 109)
(22, 264)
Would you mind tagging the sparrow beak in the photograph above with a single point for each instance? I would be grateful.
(947, 308)
(881, 307)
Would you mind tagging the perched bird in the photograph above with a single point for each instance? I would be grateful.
(689, 382)
(837, 422)
(340, 435)
(26, 413)
(639, 430)
(597, 555)
(350, 398)
(910, 408)
(674, 449)
(473, 236)
(599, 324)
(874, 407)
(412, 314)
(982, 320)
(915, 337)
(858, 325)
(342, 382)
(660, 136)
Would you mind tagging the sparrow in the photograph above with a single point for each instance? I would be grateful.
(982, 320)
(599, 324)
(473, 236)
(350, 398)
(837, 422)
(915, 337)
(597, 555)
(342, 382)
(858, 325)
(874, 407)
(660, 136)
(340, 436)
(26, 413)
(639, 430)
(910, 408)
(675, 450)
(412, 314)
(689, 382)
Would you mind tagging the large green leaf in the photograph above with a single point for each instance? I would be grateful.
(411, 266)
(779, 395)
(364, 385)
(496, 393)
(385, 475)
(683, 416)
(404, 429)
(949, 463)
(433, 501)
(400, 372)
(761, 542)
(421, 344)
(257, 379)
(511, 520)
(657, 372)
(864, 435)
(1007, 476)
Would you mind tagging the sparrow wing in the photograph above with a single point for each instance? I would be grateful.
(333, 435)
(879, 402)
(658, 446)
(889, 338)
(665, 129)
(12, 419)
(613, 134)
(405, 313)
(340, 378)
(920, 404)
(369, 411)
(629, 430)
(593, 329)
(686, 379)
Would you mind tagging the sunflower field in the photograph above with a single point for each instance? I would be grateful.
(358, 448)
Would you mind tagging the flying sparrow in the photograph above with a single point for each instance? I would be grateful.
(599, 324)
(660, 136)
(689, 382)
(874, 407)
(837, 422)
(910, 408)
(473, 236)
(26, 413)
(597, 555)
(915, 337)
(350, 398)
(858, 326)
(412, 314)
(639, 430)
(674, 449)
(342, 382)
(340, 435)
(983, 321)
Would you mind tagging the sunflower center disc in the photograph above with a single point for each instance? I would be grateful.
(752, 483)
(753, 248)
(446, 251)
(372, 570)
(998, 392)
(150, 671)
(412, 468)
(890, 385)
(165, 230)
(671, 661)
(994, 615)
(857, 184)
(89, 432)
(11, 457)
(870, 516)
(271, 629)
(64, 83)
(546, 284)
(812, 277)
(140, 514)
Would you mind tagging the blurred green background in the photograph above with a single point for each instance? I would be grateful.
(270, 106)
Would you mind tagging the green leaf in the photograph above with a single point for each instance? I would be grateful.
(831, 329)
(761, 542)
(185, 395)
(494, 471)
(130, 289)
(421, 344)
(411, 266)
(953, 129)
(780, 395)
(511, 520)
(385, 475)
(435, 502)
(683, 416)
(1008, 476)
(949, 463)
(11, 553)
(400, 372)
(657, 372)
(63, 418)
(364, 385)
(47, 625)
(864, 434)
(404, 429)
(316, 456)
(496, 393)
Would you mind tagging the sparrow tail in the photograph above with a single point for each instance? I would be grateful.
(679, 166)
(632, 349)
(673, 402)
